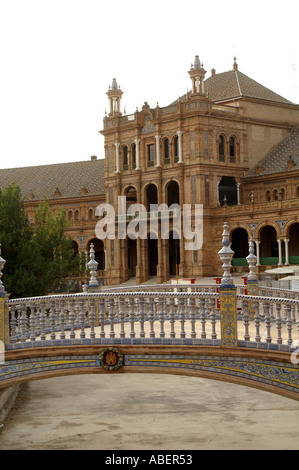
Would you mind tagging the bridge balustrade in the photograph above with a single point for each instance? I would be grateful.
(147, 317)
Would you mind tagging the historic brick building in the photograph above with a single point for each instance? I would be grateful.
(229, 144)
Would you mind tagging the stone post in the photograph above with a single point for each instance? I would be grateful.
(93, 285)
(227, 293)
(252, 279)
(4, 311)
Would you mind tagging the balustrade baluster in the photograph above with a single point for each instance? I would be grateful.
(32, 321)
(111, 317)
(72, 317)
(161, 317)
(181, 302)
(82, 318)
(42, 321)
(267, 321)
(203, 318)
(122, 318)
(57, 315)
(60, 310)
(289, 323)
(102, 317)
(13, 324)
(141, 316)
(213, 318)
(92, 318)
(132, 317)
(192, 317)
(77, 313)
(151, 317)
(293, 314)
(52, 320)
(23, 322)
(278, 323)
(272, 312)
(172, 317)
(37, 321)
(257, 322)
(246, 320)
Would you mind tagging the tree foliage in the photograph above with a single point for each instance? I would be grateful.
(39, 257)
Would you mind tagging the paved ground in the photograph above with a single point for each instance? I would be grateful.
(148, 412)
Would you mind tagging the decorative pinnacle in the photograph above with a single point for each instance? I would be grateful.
(226, 254)
(92, 265)
(251, 259)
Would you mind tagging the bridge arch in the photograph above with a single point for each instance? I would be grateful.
(251, 368)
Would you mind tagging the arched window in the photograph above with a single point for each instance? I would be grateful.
(90, 214)
(232, 150)
(176, 149)
(76, 214)
(166, 151)
(275, 195)
(221, 153)
(268, 195)
(125, 157)
(228, 193)
(134, 155)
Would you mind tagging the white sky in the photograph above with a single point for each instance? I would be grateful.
(58, 58)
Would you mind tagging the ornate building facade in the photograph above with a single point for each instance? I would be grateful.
(230, 146)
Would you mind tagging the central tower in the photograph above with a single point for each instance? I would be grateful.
(114, 94)
(197, 75)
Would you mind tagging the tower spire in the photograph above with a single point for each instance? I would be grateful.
(197, 75)
(114, 94)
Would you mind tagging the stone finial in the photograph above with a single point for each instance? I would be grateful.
(2, 263)
(92, 265)
(251, 259)
(226, 254)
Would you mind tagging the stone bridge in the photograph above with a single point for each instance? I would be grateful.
(216, 332)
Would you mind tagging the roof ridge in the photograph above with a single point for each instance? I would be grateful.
(52, 164)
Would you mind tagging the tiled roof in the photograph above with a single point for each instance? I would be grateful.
(285, 157)
(69, 178)
(235, 84)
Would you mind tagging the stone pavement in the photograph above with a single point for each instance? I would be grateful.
(148, 412)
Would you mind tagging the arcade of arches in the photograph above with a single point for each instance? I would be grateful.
(271, 248)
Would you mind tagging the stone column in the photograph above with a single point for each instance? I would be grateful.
(117, 156)
(279, 253)
(257, 244)
(286, 242)
(137, 142)
(180, 133)
(158, 150)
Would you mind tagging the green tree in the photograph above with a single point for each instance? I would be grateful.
(38, 257)
(57, 260)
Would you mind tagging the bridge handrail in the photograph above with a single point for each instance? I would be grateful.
(38, 320)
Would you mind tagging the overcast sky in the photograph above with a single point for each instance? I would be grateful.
(58, 58)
